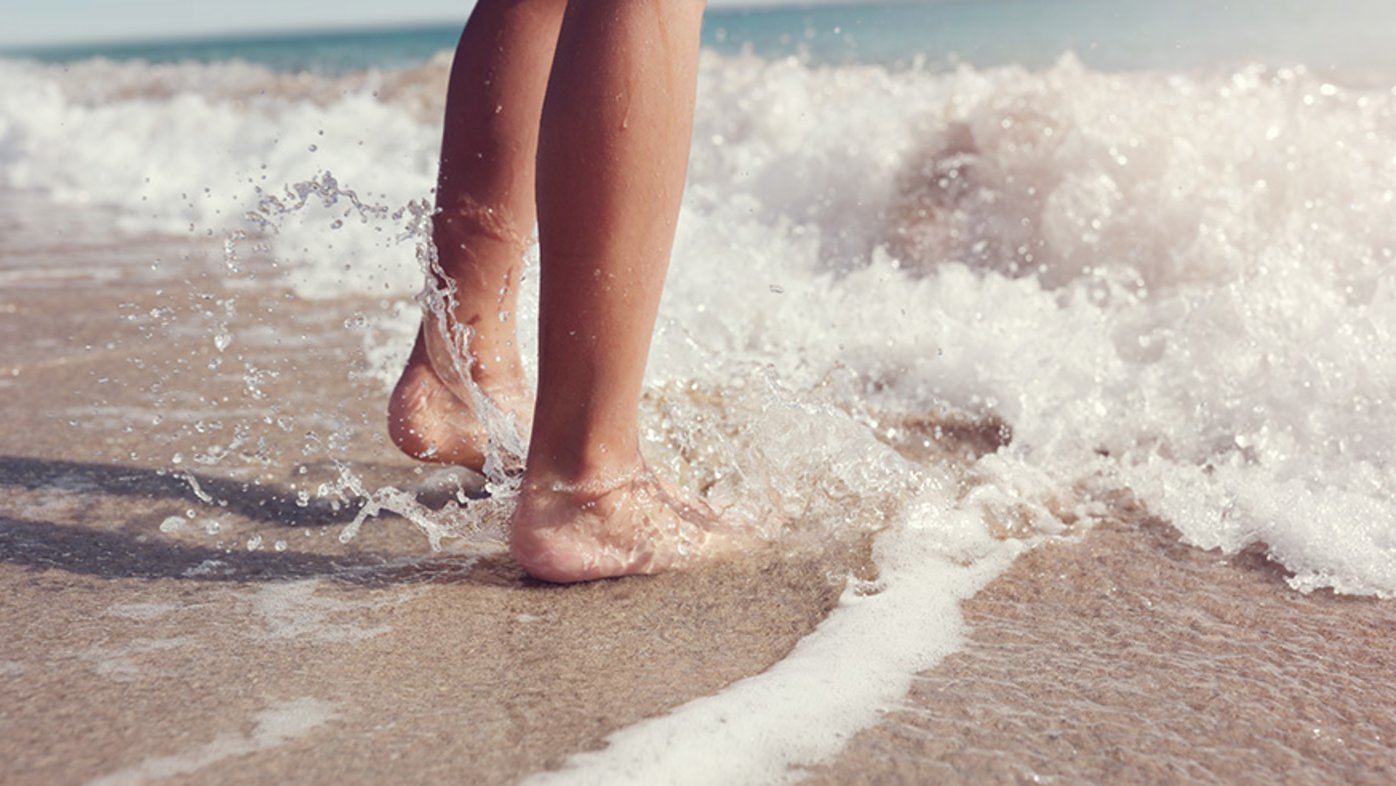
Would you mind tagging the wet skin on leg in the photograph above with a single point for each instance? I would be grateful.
(611, 160)
(485, 203)
(613, 154)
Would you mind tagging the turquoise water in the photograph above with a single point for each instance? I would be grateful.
(329, 52)
(1121, 35)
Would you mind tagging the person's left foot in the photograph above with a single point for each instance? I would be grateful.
(429, 421)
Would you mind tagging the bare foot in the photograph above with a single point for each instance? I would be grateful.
(432, 420)
(634, 524)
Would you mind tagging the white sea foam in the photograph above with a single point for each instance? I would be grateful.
(1180, 286)
(804, 709)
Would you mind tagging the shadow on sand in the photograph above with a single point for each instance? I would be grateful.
(112, 554)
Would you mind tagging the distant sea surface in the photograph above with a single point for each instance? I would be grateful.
(1117, 34)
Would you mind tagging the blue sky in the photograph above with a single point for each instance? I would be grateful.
(31, 22)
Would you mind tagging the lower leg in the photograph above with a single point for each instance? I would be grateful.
(612, 157)
(485, 205)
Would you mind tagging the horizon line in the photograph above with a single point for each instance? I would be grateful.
(274, 32)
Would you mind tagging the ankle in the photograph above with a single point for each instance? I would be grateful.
(591, 469)
(494, 359)
(497, 367)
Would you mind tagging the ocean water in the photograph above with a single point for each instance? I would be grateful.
(1132, 34)
(959, 274)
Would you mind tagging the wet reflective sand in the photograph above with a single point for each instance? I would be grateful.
(1132, 659)
(246, 643)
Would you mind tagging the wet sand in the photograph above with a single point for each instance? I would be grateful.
(1130, 658)
(133, 653)
(138, 651)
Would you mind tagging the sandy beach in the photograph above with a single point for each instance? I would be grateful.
(1129, 658)
(1047, 348)
(151, 636)
(135, 651)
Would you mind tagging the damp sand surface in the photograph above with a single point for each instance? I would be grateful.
(153, 636)
(1129, 658)
(150, 635)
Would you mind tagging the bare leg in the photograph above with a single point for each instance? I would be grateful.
(486, 203)
(613, 154)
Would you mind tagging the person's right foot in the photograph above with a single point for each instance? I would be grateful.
(627, 525)
(428, 420)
